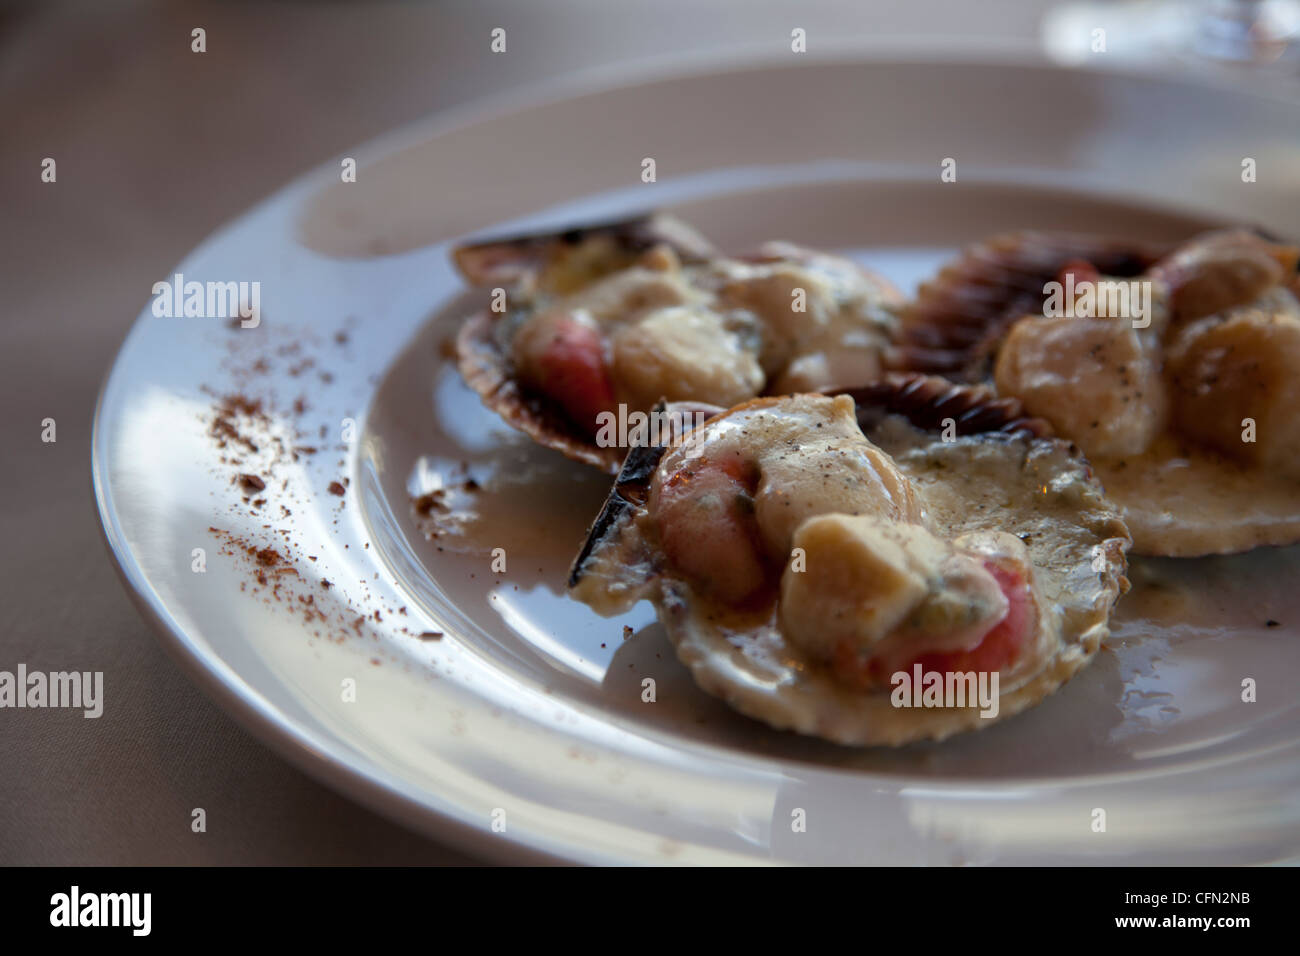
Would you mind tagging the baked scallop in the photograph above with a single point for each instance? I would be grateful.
(816, 560)
(1178, 379)
(594, 325)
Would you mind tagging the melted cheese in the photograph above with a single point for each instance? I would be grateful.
(724, 331)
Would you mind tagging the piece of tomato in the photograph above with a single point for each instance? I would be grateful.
(996, 650)
(1000, 647)
(704, 512)
(571, 370)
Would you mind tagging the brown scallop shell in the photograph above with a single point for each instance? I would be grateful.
(630, 490)
(486, 369)
(505, 261)
(928, 400)
(483, 359)
(957, 319)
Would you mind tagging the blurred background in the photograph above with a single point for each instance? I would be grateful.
(156, 148)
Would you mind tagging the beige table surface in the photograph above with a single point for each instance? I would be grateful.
(157, 147)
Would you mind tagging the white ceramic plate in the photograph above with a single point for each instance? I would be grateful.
(522, 732)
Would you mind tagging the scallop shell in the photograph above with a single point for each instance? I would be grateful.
(1074, 535)
(484, 359)
(927, 401)
(957, 319)
(486, 369)
(505, 261)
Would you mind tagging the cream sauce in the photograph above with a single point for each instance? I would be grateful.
(721, 332)
(1182, 501)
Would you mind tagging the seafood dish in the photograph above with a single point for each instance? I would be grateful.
(590, 323)
(802, 551)
(878, 520)
(1177, 377)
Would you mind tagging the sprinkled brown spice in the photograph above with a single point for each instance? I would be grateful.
(251, 443)
(427, 502)
(431, 635)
